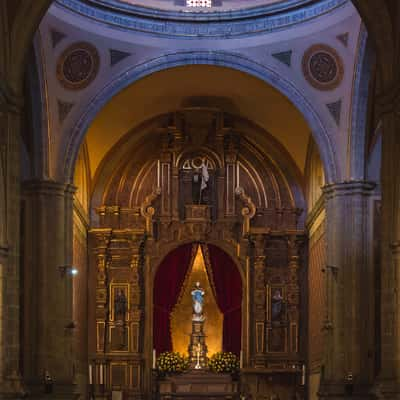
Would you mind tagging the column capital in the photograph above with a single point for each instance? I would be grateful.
(348, 188)
(48, 187)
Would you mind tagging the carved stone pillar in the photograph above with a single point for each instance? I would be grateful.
(348, 364)
(388, 381)
(48, 325)
(10, 208)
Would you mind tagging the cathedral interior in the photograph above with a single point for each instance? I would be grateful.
(199, 199)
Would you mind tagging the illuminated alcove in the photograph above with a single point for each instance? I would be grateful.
(172, 309)
(181, 316)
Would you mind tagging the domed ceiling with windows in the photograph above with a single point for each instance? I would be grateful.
(201, 6)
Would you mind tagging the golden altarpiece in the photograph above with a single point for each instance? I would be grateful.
(152, 204)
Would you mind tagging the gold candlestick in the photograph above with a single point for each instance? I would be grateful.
(198, 366)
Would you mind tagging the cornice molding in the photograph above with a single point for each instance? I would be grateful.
(194, 26)
(348, 188)
(48, 187)
(200, 15)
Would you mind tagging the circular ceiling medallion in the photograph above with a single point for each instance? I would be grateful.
(323, 67)
(78, 66)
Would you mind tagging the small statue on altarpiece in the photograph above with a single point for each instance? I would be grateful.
(120, 305)
(200, 189)
(277, 306)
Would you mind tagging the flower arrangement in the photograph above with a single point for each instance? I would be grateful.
(170, 361)
(224, 362)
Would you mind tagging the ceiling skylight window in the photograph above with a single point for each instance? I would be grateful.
(199, 3)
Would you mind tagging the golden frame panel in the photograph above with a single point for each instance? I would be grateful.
(110, 328)
(133, 384)
(285, 345)
(99, 348)
(294, 338)
(126, 288)
(260, 335)
(134, 337)
(126, 370)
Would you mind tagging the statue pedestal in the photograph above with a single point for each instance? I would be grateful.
(197, 212)
(198, 384)
(197, 346)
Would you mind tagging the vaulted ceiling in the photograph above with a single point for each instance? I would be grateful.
(169, 90)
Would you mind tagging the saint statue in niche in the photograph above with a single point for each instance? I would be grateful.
(120, 305)
(200, 180)
(277, 306)
(198, 301)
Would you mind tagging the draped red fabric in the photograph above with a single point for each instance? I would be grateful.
(228, 287)
(167, 286)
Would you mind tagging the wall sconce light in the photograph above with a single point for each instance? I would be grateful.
(48, 382)
(67, 269)
(349, 385)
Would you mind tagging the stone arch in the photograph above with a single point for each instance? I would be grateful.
(226, 247)
(221, 59)
(360, 104)
(377, 18)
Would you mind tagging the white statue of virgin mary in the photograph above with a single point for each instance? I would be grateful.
(198, 300)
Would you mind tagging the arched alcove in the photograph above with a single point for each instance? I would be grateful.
(224, 280)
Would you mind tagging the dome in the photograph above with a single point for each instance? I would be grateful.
(187, 7)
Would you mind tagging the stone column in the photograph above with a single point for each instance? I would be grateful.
(388, 381)
(349, 325)
(48, 324)
(10, 206)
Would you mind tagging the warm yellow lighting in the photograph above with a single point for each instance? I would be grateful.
(181, 316)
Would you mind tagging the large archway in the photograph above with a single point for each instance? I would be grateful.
(387, 76)
(219, 59)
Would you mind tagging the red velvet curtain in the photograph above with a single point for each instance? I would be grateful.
(228, 288)
(167, 286)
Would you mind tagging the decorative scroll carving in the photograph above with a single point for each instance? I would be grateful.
(248, 211)
(147, 211)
